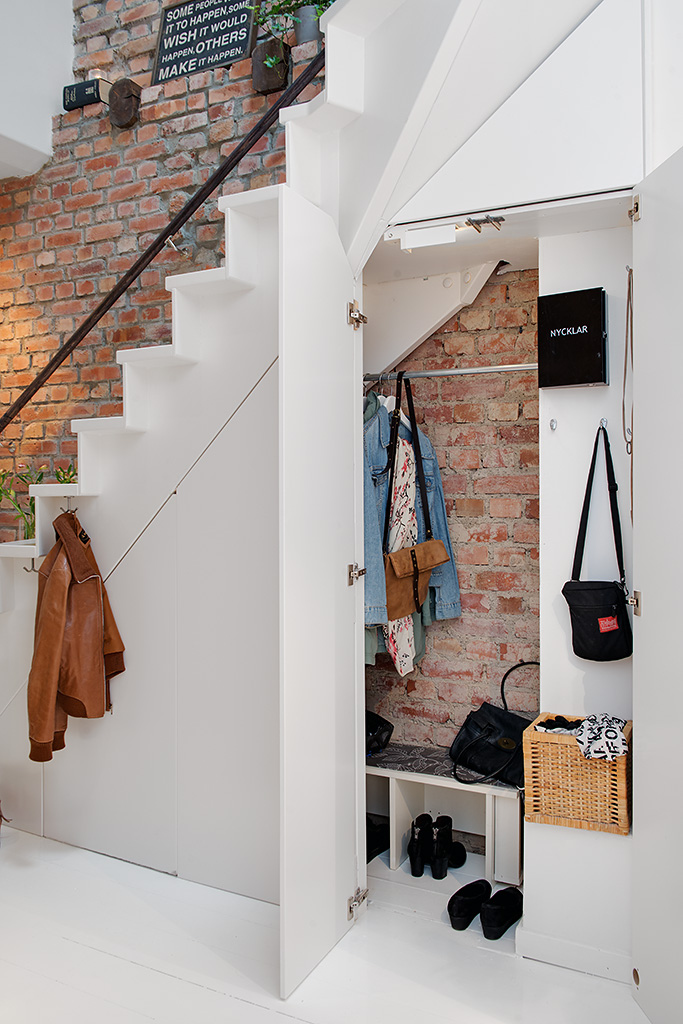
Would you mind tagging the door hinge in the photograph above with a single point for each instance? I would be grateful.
(355, 316)
(634, 601)
(354, 902)
(355, 573)
(634, 212)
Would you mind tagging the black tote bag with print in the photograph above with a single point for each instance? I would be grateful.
(601, 628)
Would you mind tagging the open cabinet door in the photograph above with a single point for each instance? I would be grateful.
(657, 573)
(320, 430)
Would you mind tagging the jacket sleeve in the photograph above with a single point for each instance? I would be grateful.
(444, 578)
(46, 720)
(375, 585)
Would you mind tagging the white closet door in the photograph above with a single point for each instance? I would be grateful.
(658, 570)
(318, 356)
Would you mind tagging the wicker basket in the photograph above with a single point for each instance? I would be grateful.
(562, 787)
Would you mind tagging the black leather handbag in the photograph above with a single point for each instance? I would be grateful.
(601, 628)
(490, 742)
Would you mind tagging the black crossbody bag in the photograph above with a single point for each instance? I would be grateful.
(601, 628)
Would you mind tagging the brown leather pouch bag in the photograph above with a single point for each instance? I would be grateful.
(407, 571)
(407, 575)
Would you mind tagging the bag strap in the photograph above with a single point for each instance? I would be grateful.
(614, 508)
(418, 461)
(519, 664)
(393, 445)
(485, 778)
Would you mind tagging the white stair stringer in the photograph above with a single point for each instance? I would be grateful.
(402, 314)
(176, 398)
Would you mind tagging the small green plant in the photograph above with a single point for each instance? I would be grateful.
(23, 505)
(66, 474)
(25, 511)
(278, 18)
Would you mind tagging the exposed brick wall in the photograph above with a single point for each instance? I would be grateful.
(70, 231)
(485, 431)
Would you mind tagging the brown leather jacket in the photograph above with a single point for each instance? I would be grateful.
(77, 645)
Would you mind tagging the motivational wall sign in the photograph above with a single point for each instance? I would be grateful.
(196, 35)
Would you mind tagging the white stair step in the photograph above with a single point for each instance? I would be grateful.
(257, 203)
(152, 355)
(19, 549)
(55, 490)
(104, 425)
(216, 280)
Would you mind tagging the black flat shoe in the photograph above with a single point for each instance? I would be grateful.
(500, 911)
(465, 904)
(420, 844)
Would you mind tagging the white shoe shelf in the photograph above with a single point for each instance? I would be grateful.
(413, 787)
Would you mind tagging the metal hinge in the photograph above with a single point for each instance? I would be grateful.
(634, 212)
(355, 316)
(354, 902)
(355, 573)
(634, 601)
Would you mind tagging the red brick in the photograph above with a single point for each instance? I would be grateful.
(494, 484)
(98, 232)
(467, 507)
(503, 410)
(473, 554)
(474, 319)
(468, 413)
(505, 508)
(511, 317)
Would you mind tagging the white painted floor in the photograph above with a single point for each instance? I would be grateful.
(85, 939)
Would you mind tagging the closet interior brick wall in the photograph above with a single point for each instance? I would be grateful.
(71, 230)
(485, 431)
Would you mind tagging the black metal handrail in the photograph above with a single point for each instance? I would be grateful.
(173, 226)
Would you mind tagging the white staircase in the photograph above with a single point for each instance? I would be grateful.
(172, 455)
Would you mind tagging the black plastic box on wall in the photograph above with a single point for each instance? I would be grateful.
(572, 339)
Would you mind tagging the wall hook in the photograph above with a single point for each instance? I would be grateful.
(33, 566)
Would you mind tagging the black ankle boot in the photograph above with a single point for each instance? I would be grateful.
(420, 844)
(442, 834)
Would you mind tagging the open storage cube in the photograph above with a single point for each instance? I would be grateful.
(562, 787)
(406, 780)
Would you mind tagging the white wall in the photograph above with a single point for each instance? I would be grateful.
(36, 62)
(577, 889)
(663, 79)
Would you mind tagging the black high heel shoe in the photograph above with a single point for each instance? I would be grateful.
(445, 852)
(420, 844)
(442, 833)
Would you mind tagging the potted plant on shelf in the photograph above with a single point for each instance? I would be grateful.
(282, 20)
(306, 28)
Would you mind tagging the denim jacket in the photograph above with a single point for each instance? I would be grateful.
(444, 578)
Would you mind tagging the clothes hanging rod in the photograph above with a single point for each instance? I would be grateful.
(452, 373)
